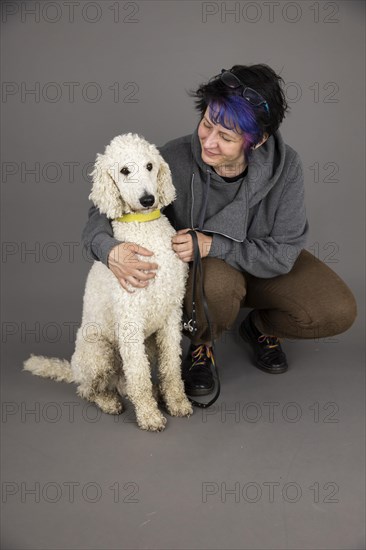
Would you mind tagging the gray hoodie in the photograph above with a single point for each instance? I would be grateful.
(258, 223)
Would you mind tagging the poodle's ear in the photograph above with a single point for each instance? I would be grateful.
(105, 193)
(166, 189)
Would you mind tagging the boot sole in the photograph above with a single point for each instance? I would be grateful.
(200, 392)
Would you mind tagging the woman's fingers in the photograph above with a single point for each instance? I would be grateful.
(183, 247)
(187, 257)
(123, 284)
(143, 251)
(136, 281)
(132, 281)
(137, 249)
(183, 231)
(181, 238)
(141, 275)
(181, 242)
(126, 265)
(146, 266)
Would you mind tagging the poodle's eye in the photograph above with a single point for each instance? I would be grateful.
(125, 171)
(149, 166)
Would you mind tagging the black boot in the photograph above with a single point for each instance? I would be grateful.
(268, 353)
(197, 370)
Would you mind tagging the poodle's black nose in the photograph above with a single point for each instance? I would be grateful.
(147, 200)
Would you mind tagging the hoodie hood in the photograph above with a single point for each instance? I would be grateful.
(264, 169)
(208, 189)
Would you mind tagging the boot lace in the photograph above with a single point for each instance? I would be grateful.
(272, 342)
(201, 356)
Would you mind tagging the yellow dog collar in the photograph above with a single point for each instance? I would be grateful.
(139, 217)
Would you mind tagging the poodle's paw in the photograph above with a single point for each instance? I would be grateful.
(179, 407)
(109, 404)
(153, 421)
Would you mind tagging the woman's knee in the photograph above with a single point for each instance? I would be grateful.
(328, 317)
(312, 301)
(339, 316)
(329, 302)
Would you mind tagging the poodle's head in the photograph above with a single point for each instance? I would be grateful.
(131, 176)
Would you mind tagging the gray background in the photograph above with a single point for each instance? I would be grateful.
(154, 51)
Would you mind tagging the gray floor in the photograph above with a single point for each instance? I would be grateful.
(277, 463)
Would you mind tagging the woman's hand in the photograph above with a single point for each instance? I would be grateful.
(126, 266)
(182, 244)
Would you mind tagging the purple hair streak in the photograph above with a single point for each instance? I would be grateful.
(236, 114)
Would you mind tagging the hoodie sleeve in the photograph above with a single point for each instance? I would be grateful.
(276, 253)
(97, 236)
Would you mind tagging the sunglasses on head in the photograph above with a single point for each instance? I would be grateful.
(232, 81)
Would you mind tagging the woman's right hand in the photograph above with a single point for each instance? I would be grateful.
(128, 268)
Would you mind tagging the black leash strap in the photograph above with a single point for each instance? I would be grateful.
(191, 325)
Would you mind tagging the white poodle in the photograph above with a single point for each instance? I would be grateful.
(121, 331)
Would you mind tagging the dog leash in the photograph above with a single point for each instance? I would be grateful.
(191, 325)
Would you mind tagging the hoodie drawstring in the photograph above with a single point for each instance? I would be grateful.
(205, 200)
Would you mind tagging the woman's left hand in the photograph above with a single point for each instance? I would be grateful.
(182, 244)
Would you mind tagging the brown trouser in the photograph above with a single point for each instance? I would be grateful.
(311, 301)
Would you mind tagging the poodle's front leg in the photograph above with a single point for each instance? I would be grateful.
(139, 385)
(168, 339)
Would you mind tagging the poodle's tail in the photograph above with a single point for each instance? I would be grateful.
(49, 367)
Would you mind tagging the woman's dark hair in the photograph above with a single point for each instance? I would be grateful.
(231, 110)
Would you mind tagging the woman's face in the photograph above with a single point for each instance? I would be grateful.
(221, 147)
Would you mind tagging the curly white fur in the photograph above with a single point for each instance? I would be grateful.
(122, 332)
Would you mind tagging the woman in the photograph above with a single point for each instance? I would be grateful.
(241, 187)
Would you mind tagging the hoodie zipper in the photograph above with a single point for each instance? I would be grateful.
(210, 230)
